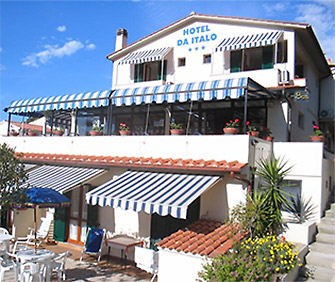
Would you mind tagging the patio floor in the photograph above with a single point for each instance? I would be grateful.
(89, 270)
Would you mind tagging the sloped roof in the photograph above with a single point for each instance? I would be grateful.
(203, 237)
(194, 17)
(134, 162)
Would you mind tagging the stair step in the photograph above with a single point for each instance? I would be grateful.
(320, 273)
(321, 259)
(332, 206)
(325, 238)
(326, 228)
(330, 213)
(322, 248)
(328, 220)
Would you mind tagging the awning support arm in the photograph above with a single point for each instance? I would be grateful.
(147, 121)
(245, 111)
(189, 118)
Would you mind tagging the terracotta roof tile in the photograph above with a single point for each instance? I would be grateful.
(204, 237)
(134, 162)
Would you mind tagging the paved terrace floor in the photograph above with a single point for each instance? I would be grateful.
(89, 270)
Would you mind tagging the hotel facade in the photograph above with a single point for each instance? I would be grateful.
(200, 72)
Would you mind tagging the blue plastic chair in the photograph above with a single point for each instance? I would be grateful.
(94, 241)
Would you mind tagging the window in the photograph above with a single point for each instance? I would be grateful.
(181, 62)
(251, 59)
(299, 71)
(150, 71)
(301, 120)
(293, 191)
(282, 52)
(207, 59)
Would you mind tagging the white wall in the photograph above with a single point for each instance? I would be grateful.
(24, 219)
(207, 147)
(185, 45)
(306, 160)
(178, 266)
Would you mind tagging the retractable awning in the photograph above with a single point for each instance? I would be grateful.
(60, 178)
(65, 102)
(163, 193)
(248, 41)
(29, 166)
(206, 90)
(145, 56)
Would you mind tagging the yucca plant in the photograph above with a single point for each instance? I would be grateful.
(272, 172)
(301, 210)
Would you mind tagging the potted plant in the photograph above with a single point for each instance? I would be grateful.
(124, 129)
(59, 131)
(231, 126)
(266, 134)
(317, 134)
(96, 130)
(13, 133)
(176, 128)
(33, 132)
(252, 130)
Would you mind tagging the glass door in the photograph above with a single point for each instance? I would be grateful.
(78, 216)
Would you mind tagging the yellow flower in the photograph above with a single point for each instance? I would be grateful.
(264, 259)
(270, 260)
(277, 269)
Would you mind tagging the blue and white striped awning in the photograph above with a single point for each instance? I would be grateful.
(163, 193)
(248, 41)
(60, 178)
(29, 166)
(71, 101)
(145, 56)
(194, 91)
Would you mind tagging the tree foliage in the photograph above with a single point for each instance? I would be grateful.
(12, 176)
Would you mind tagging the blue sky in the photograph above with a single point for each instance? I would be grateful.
(59, 47)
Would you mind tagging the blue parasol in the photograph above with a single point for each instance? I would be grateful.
(44, 198)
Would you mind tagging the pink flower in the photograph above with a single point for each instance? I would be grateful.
(247, 122)
(237, 120)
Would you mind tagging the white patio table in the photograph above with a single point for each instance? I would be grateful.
(5, 239)
(41, 254)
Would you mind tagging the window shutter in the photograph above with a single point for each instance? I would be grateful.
(235, 61)
(267, 58)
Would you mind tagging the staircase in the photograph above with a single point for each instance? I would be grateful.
(320, 261)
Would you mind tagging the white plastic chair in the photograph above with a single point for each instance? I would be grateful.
(42, 232)
(8, 262)
(147, 259)
(58, 265)
(4, 231)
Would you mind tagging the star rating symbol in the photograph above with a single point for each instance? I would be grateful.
(196, 48)
(190, 49)
(203, 47)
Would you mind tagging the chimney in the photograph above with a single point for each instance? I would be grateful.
(121, 38)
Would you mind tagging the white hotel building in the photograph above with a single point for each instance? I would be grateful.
(201, 71)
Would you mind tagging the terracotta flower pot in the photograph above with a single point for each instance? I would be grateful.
(269, 138)
(176, 131)
(317, 138)
(230, 130)
(13, 133)
(95, 133)
(124, 132)
(32, 133)
(253, 133)
(59, 132)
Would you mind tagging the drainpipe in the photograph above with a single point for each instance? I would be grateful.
(245, 111)
(244, 180)
(9, 118)
(289, 116)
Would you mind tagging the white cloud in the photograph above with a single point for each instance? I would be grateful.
(90, 46)
(49, 52)
(275, 9)
(322, 20)
(61, 28)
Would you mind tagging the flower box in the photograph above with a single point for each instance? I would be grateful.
(230, 130)
(95, 133)
(59, 132)
(13, 133)
(176, 131)
(253, 133)
(124, 132)
(317, 138)
(32, 133)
